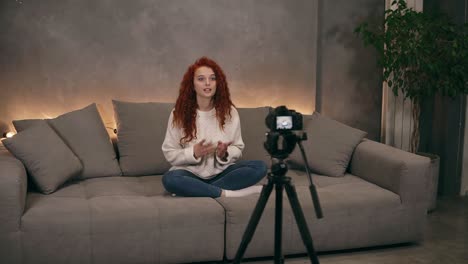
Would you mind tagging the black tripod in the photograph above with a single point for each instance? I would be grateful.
(278, 179)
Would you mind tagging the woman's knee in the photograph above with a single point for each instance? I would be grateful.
(166, 180)
(260, 167)
(170, 180)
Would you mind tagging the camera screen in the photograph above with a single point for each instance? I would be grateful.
(284, 122)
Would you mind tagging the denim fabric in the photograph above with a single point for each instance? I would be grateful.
(238, 176)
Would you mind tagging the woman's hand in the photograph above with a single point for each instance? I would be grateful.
(200, 149)
(221, 150)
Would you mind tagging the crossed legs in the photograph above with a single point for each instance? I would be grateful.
(238, 176)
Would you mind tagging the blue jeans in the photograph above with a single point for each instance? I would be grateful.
(238, 176)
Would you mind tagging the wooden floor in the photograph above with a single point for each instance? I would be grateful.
(446, 242)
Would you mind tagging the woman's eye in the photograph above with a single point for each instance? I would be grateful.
(201, 79)
(213, 78)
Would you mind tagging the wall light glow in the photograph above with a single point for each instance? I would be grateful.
(8, 134)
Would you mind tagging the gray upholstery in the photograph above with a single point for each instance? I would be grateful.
(49, 169)
(83, 131)
(329, 147)
(13, 190)
(21, 125)
(253, 138)
(238, 212)
(123, 219)
(120, 220)
(366, 216)
(85, 134)
(399, 171)
(141, 130)
(356, 213)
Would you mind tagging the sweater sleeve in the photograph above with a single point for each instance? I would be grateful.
(173, 150)
(235, 149)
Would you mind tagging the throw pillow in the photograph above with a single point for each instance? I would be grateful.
(21, 125)
(329, 147)
(48, 160)
(85, 134)
(141, 129)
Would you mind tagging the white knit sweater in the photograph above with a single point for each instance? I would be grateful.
(181, 155)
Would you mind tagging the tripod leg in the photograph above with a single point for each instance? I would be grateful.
(301, 222)
(254, 219)
(278, 223)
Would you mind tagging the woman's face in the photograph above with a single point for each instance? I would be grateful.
(205, 82)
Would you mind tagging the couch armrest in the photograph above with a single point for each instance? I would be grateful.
(399, 171)
(13, 189)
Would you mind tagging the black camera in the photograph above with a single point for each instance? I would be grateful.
(282, 119)
(280, 141)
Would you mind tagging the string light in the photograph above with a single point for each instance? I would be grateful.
(8, 134)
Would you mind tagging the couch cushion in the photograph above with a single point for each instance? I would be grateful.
(55, 230)
(253, 133)
(132, 220)
(141, 129)
(83, 131)
(356, 213)
(192, 229)
(329, 147)
(238, 213)
(49, 163)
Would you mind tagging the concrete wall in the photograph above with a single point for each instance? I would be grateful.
(60, 55)
(349, 87)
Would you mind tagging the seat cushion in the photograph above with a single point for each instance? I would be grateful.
(238, 213)
(121, 220)
(356, 213)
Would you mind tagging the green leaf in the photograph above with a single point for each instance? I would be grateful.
(421, 54)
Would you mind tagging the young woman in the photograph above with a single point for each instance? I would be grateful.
(203, 139)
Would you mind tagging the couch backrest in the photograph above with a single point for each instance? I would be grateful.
(253, 133)
(142, 127)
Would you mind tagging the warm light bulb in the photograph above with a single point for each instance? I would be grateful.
(8, 134)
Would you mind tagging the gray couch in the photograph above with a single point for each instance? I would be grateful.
(380, 199)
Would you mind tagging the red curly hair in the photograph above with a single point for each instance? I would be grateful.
(185, 112)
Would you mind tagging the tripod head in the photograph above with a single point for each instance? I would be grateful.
(279, 146)
(279, 169)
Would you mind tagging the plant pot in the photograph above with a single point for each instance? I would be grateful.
(433, 182)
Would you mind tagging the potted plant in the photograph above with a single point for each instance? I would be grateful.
(421, 55)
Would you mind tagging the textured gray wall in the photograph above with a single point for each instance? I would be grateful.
(349, 85)
(60, 55)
